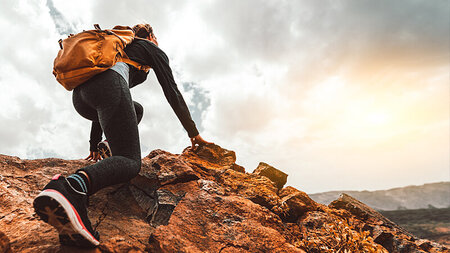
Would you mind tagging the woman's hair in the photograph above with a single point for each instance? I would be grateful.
(145, 31)
(142, 30)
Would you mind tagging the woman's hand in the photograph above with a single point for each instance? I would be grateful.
(93, 156)
(197, 141)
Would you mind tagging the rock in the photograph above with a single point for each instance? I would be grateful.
(207, 222)
(277, 176)
(196, 202)
(237, 168)
(385, 232)
(167, 199)
(210, 159)
(425, 245)
(119, 219)
(147, 201)
(167, 168)
(386, 240)
(256, 188)
(294, 204)
(4, 243)
(112, 210)
(321, 229)
(361, 210)
(215, 154)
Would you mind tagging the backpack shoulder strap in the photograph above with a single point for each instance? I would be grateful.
(135, 64)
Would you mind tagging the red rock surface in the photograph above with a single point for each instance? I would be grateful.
(197, 202)
(4, 243)
(274, 174)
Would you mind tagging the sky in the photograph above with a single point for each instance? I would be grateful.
(340, 95)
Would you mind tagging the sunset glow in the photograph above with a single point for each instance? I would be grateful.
(339, 95)
(377, 119)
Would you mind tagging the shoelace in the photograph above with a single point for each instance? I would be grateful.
(75, 190)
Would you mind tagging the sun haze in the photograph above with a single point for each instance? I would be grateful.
(340, 95)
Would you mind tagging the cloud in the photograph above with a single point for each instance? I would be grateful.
(36, 112)
(331, 59)
(333, 92)
(198, 101)
(61, 24)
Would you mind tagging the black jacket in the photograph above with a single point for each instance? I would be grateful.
(147, 53)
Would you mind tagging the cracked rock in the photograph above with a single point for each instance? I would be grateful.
(164, 205)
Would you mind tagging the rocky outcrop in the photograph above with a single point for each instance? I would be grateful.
(198, 202)
(384, 232)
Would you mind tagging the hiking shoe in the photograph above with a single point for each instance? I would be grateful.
(63, 207)
(104, 149)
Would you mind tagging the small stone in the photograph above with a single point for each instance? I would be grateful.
(277, 176)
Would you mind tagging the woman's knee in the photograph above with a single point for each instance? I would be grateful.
(130, 166)
(137, 167)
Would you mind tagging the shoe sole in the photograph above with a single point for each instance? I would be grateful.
(53, 208)
(104, 150)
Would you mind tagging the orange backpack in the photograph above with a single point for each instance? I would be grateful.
(88, 53)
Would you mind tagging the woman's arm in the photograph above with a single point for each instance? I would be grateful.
(149, 54)
(96, 137)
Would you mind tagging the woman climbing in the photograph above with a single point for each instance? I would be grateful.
(105, 99)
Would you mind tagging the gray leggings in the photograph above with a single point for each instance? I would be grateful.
(106, 98)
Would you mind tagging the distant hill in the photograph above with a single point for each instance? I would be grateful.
(434, 195)
(432, 224)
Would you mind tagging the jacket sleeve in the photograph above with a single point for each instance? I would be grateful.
(96, 136)
(159, 62)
